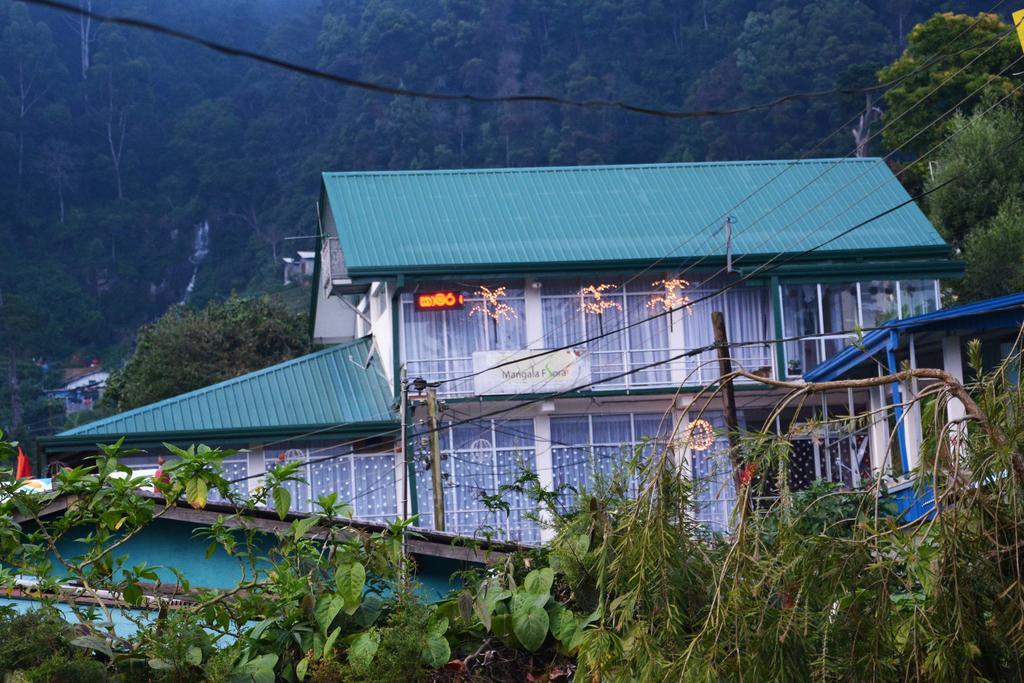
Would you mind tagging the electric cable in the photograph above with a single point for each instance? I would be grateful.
(382, 89)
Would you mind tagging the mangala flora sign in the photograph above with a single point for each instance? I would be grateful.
(532, 371)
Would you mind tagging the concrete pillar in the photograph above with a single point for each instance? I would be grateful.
(952, 362)
(912, 419)
(256, 465)
(534, 315)
(545, 469)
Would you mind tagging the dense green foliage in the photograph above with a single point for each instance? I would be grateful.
(982, 70)
(187, 349)
(983, 214)
(824, 584)
(113, 155)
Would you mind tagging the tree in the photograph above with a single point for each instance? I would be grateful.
(58, 164)
(982, 151)
(982, 211)
(912, 108)
(31, 66)
(994, 253)
(186, 349)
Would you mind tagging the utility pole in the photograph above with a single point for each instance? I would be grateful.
(435, 457)
(403, 461)
(728, 395)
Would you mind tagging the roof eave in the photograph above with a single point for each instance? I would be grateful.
(212, 437)
(937, 253)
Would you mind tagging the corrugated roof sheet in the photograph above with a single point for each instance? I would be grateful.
(330, 387)
(875, 341)
(420, 220)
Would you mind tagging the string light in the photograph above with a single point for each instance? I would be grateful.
(673, 296)
(700, 435)
(593, 301)
(492, 306)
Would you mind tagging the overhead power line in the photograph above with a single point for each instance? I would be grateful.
(382, 89)
(767, 266)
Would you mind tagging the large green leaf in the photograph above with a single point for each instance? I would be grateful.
(539, 581)
(437, 625)
(258, 670)
(563, 624)
(436, 651)
(350, 579)
(531, 627)
(195, 492)
(363, 648)
(94, 643)
(282, 501)
(301, 527)
(327, 608)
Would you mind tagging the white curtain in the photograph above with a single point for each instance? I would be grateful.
(711, 469)
(440, 344)
(587, 450)
(618, 349)
(366, 482)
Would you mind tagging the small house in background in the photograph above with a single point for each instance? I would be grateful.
(299, 267)
(82, 387)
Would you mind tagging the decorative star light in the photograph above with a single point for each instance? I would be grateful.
(700, 435)
(492, 306)
(673, 296)
(593, 301)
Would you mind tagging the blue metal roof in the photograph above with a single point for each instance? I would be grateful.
(876, 340)
(342, 385)
(434, 221)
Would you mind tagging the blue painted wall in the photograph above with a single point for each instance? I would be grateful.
(911, 505)
(170, 543)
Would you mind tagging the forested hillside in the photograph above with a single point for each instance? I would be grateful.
(116, 145)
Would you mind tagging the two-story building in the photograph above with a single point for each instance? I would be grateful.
(564, 315)
(467, 278)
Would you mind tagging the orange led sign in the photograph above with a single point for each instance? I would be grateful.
(439, 301)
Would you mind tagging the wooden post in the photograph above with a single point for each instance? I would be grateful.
(435, 458)
(728, 395)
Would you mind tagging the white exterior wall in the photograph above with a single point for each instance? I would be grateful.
(380, 302)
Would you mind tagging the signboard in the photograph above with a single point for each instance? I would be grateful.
(529, 372)
(1018, 21)
(439, 301)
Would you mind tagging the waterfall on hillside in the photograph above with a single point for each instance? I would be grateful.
(200, 250)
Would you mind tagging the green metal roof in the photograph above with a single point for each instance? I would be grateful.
(432, 221)
(334, 387)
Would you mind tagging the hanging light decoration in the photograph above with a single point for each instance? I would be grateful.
(491, 305)
(673, 297)
(700, 435)
(592, 299)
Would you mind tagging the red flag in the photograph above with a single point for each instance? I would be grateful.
(24, 470)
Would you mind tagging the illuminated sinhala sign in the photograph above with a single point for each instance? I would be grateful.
(440, 301)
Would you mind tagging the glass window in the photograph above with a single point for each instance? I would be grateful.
(839, 308)
(365, 481)
(478, 458)
(713, 482)
(800, 318)
(440, 344)
(917, 297)
(566, 321)
(878, 302)
(588, 450)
